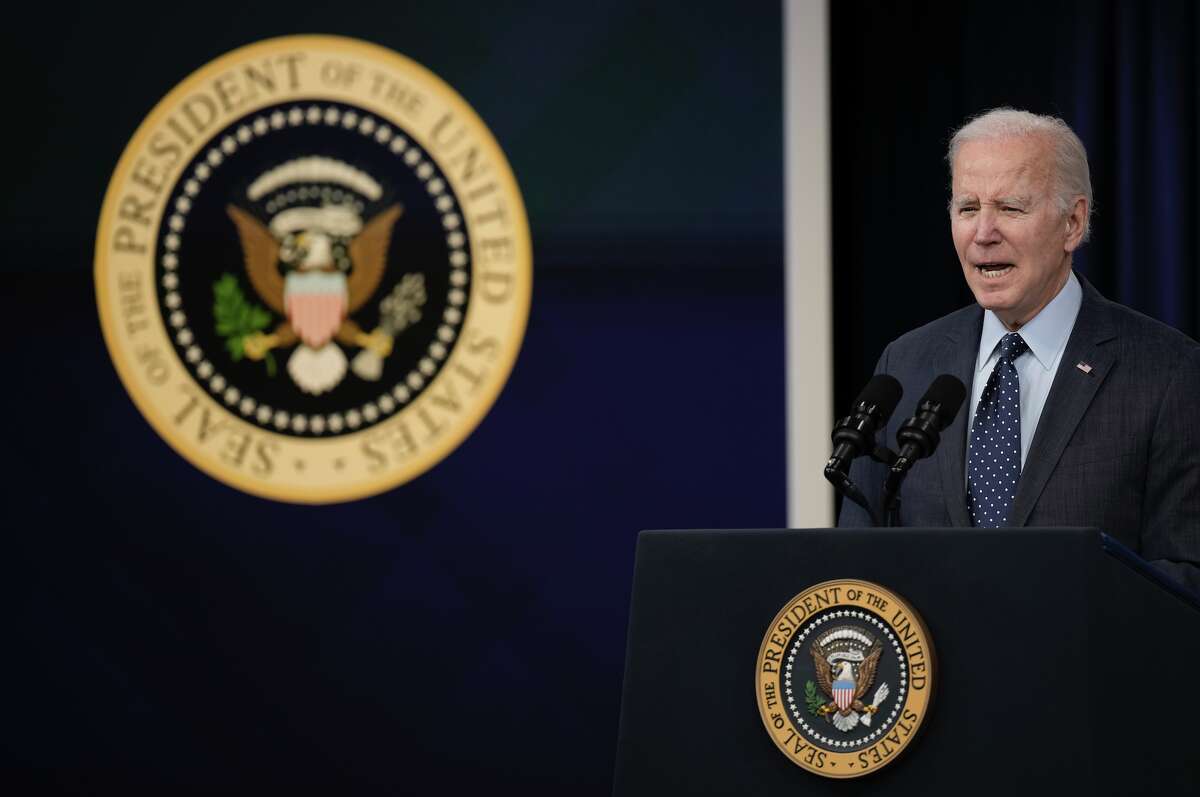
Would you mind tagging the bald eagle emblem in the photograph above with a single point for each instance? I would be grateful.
(316, 262)
(845, 659)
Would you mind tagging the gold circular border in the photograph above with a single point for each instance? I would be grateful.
(110, 320)
(819, 760)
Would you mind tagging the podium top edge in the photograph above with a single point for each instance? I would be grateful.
(1104, 545)
(1022, 531)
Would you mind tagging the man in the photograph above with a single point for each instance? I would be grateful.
(1081, 411)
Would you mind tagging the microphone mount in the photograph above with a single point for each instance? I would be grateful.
(919, 436)
(854, 436)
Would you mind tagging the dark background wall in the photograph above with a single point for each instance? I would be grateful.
(465, 630)
(1124, 75)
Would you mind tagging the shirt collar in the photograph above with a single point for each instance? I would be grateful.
(1046, 334)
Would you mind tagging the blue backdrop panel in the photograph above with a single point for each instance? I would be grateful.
(465, 629)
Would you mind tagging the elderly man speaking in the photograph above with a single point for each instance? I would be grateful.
(1082, 411)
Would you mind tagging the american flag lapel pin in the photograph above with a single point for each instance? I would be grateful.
(1082, 366)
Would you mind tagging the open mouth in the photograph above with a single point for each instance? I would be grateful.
(994, 270)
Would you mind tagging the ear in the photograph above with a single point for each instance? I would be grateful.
(1075, 220)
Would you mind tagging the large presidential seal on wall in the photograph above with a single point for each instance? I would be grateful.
(313, 269)
(845, 678)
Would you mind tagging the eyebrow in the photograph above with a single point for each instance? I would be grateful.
(971, 199)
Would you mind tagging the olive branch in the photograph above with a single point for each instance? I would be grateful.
(402, 307)
(238, 318)
(812, 698)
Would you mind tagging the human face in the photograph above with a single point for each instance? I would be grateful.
(1013, 241)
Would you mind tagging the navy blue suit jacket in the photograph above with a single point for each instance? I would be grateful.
(1116, 448)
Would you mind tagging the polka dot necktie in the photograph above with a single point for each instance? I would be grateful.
(994, 455)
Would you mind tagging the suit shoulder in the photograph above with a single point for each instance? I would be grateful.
(1149, 334)
(952, 325)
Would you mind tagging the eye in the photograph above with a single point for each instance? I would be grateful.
(289, 248)
(291, 251)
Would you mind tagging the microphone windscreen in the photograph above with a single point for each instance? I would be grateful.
(948, 392)
(884, 392)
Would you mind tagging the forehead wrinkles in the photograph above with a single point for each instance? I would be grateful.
(997, 169)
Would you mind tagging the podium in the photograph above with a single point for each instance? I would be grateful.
(1065, 663)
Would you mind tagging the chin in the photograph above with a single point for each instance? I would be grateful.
(994, 300)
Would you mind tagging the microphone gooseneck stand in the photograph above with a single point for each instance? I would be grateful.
(851, 491)
(919, 436)
(854, 436)
(891, 493)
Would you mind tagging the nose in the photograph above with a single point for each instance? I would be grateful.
(986, 231)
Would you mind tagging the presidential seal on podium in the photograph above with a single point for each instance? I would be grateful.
(845, 677)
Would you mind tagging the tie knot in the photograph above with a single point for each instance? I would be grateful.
(1012, 346)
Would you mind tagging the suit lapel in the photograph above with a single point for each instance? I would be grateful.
(957, 356)
(1071, 394)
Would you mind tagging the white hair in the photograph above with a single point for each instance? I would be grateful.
(1072, 178)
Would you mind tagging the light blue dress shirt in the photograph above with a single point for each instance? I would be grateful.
(1046, 334)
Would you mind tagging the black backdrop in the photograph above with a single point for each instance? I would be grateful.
(465, 630)
(1124, 75)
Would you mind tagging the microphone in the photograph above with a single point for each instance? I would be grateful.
(854, 435)
(919, 436)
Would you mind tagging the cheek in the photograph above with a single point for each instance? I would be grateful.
(1048, 237)
(962, 235)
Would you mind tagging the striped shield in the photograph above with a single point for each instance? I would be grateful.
(843, 694)
(316, 306)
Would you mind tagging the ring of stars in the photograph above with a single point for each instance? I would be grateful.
(896, 699)
(452, 318)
